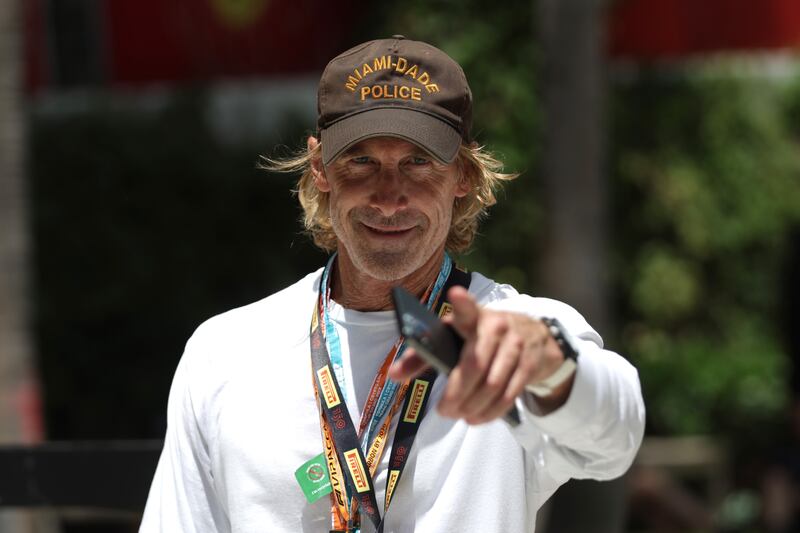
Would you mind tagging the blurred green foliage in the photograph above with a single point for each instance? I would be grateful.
(145, 226)
(706, 177)
(705, 188)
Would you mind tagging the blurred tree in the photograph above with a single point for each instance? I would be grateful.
(706, 171)
(574, 267)
(147, 226)
(20, 415)
(16, 374)
(575, 198)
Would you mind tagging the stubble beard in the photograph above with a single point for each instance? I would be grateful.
(382, 264)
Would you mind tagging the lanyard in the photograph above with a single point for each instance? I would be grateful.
(344, 447)
(382, 393)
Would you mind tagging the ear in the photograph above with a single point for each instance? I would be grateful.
(462, 186)
(317, 168)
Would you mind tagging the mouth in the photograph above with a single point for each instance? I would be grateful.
(388, 231)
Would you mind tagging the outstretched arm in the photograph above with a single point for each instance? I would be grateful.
(503, 353)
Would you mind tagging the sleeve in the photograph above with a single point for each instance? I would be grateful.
(182, 496)
(597, 432)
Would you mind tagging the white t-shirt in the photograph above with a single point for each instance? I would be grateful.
(242, 418)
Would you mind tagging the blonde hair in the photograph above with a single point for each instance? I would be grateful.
(475, 164)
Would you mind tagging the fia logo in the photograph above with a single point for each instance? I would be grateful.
(315, 473)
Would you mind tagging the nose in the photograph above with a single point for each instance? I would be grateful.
(389, 192)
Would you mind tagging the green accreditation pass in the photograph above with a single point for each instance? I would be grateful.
(314, 479)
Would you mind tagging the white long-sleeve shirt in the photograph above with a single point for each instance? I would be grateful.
(242, 417)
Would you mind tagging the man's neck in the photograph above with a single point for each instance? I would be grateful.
(353, 289)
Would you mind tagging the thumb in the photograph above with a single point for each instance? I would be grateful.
(465, 312)
(408, 366)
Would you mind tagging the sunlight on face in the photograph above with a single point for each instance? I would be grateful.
(391, 206)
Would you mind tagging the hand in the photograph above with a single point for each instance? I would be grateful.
(503, 352)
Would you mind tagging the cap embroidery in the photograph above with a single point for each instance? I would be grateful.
(393, 87)
(400, 66)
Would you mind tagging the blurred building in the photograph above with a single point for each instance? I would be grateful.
(648, 30)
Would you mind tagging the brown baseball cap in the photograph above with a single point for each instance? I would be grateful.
(398, 88)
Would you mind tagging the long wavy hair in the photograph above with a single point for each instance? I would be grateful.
(475, 164)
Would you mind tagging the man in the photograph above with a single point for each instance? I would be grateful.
(304, 412)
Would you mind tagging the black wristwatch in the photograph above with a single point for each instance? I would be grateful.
(569, 347)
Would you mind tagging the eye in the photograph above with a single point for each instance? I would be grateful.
(360, 159)
(419, 160)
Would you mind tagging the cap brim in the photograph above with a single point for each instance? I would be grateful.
(430, 133)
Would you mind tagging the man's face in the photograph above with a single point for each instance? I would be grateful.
(391, 205)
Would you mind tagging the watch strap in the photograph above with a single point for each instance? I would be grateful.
(570, 350)
(547, 386)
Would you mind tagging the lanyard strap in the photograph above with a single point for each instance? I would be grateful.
(340, 426)
(416, 401)
(338, 429)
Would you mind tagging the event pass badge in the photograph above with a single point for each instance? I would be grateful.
(314, 479)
